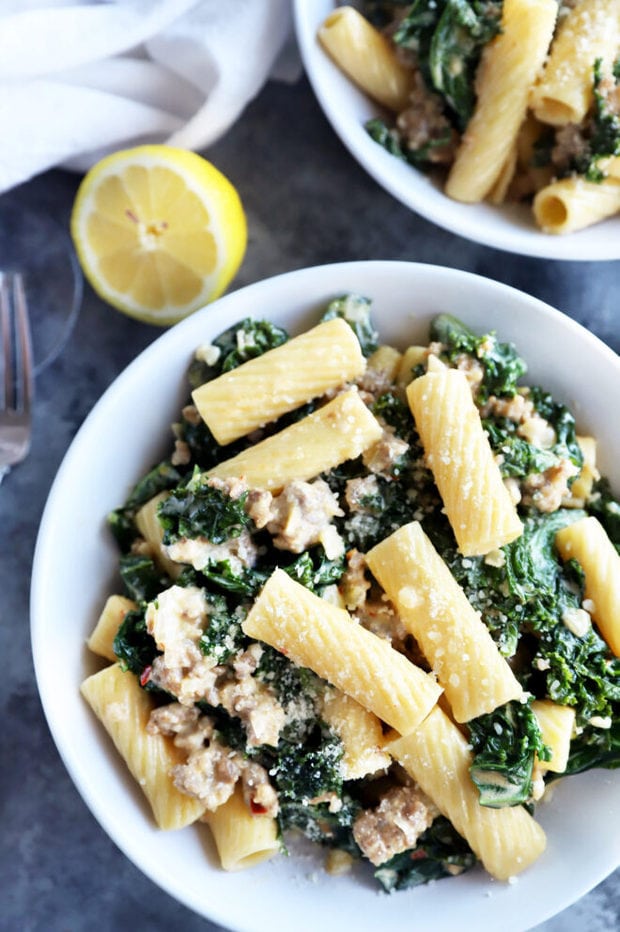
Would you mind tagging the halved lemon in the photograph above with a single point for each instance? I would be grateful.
(159, 231)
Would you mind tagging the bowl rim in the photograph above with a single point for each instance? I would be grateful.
(509, 228)
(320, 278)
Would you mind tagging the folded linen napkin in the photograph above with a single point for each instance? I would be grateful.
(79, 78)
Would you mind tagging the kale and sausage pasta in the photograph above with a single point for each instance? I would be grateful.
(372, 595)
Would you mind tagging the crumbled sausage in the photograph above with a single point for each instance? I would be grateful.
(383, 456)
(299, 517)
(403, 814)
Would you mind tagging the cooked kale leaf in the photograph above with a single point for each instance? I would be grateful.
(448, 37)
(502, 365)
(563, 423)
(604, 132)
(355, 309)
(161, 477)
(133, 645)
(222, 637)
(245, 340)
(505, 743)
(200, 510)
(314, 571)
(595, 747)
(440, 852)
(518, 457)
(141, 577)
(390, 140)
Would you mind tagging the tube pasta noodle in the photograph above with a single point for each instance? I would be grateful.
(589, 31)
(479, 508)
(242, 839)
(360, 732)
(320, 604)
(516, 104)
(433, 607)
(509, 67)
(340, 430)
(264, 388)
(572, 204)
(124, 709)
(587, 542)
(366, 56)
(101, 640)
(557, 724)
(324, 638)
(437, 756)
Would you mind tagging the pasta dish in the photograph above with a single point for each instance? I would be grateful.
(505, 100)
(372, 595)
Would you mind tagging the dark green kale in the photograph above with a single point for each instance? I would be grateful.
(141, 577)
(502, 365)
(223, 636)
(381, 12)
(355, 309)
(595, 747)
(297, 689)
(161, 477)
(395, 412)
(518, 457)
(505, 743)
(236, 579)
(579, 672)
(390, 140)
(563, 423)
(245, 340)
(440, 852)
(603, 137)
(133, 645)
(448, 37)
(606, 508)
(303, 777)
(200, 510)
(314, 571)
(528, 591)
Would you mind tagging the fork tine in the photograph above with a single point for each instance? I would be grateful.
(16, 342)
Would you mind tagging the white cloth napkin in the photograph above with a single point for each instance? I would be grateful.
(79, 79)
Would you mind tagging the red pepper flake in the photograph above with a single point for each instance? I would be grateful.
(418, 855)
(146, 675)
(257, 808)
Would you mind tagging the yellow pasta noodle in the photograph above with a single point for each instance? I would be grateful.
(124, 708)
(589, 31)
(509, 66)
(340, 430)
(318, 635)
(366, 57)
(101, 641)
(557, 723)
(433, 607)
(147, 522)
(360, 732)
(242, 838)
(479, 508)
(412, 357)
(438, 757)
(574, 203)
(264, 388)
(587, 542)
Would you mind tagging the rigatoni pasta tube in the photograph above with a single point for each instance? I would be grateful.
(124, 710)
(360, 732)
(479, 508)
(263, 389)
(101, 641)
(438, 758)
(242, 838)
(587, 542)
(589, 31)
(340, 430)
(367, 57)
(556, 723)
(573, 203)
(434, 609)
(509, 66)
(315, 634)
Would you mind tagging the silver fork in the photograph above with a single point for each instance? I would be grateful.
(17, 372)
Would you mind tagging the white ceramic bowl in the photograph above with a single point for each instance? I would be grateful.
(511, 227)
(74, 570)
